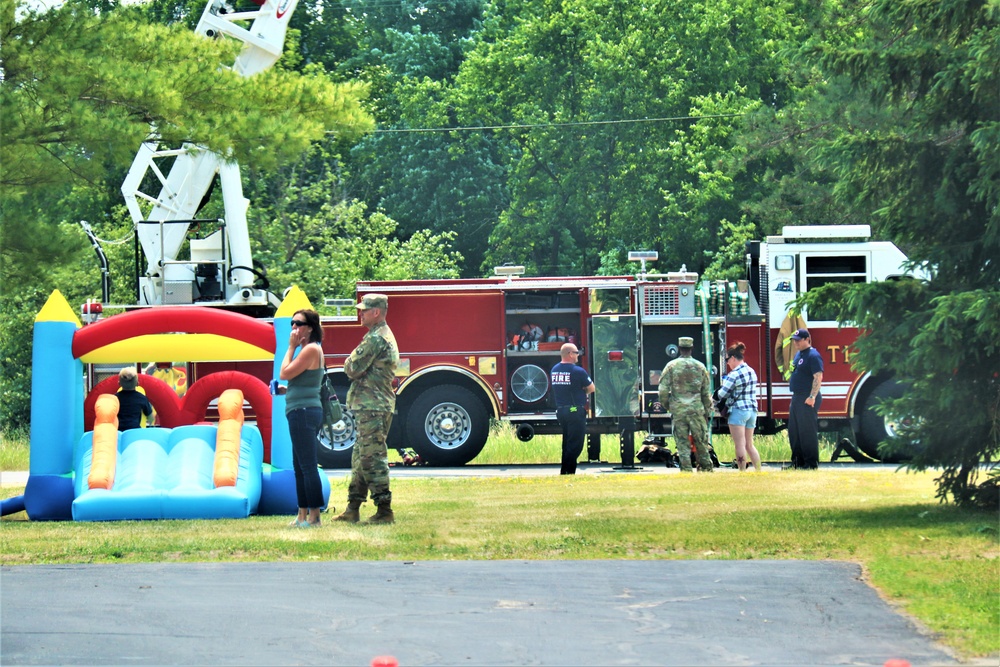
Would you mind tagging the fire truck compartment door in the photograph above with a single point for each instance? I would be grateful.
(614, 357)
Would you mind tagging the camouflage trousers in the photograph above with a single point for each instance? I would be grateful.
(695, 426)
(369, 460)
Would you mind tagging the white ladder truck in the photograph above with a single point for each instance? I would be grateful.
(220, 270)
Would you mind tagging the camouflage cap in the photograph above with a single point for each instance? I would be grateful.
(373, 301)
(685, 341)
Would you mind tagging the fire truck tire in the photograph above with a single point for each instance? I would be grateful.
(334, 449)
(874, 428)
(447, 426)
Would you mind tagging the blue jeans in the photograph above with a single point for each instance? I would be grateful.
(303, 425)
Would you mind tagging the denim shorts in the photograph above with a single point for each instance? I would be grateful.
(743, 417)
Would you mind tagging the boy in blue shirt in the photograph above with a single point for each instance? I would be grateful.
(131, 403)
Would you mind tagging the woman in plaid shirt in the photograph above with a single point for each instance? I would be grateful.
(739, 392)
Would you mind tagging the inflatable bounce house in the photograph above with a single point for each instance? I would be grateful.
(83, 468)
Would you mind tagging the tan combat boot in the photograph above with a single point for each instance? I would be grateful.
(351, 514)
(383, 515)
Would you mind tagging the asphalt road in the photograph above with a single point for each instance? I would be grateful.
(454, 613)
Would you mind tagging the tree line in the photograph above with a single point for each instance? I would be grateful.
(441, 138)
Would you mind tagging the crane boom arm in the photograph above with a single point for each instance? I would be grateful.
(184, 185)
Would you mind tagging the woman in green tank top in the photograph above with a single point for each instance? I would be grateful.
(303, 368)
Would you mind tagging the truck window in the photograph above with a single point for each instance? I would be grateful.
(613, 300)
(821, 270)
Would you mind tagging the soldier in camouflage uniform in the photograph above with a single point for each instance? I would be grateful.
(371, 368)
(684, 391)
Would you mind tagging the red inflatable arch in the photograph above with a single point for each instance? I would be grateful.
(255, 392)
(159, 393)
(174, 410)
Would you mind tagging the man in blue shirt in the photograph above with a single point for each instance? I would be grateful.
(571, 385)
(803, 416)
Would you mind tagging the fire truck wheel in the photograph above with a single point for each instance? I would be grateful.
(874, 427)
(447, 426)
(333, 449)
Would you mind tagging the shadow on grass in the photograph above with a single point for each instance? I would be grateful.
(944, 518)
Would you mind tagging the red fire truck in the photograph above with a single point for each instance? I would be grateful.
(476, 350)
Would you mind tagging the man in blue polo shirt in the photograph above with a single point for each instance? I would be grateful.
(803, 416)
(571, 385)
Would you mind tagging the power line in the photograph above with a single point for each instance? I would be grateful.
(530, 126)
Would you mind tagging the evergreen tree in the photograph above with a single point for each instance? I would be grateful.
(81, 92)
(82, 88)
(923, 163)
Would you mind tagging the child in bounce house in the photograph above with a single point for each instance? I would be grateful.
(132, 405)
